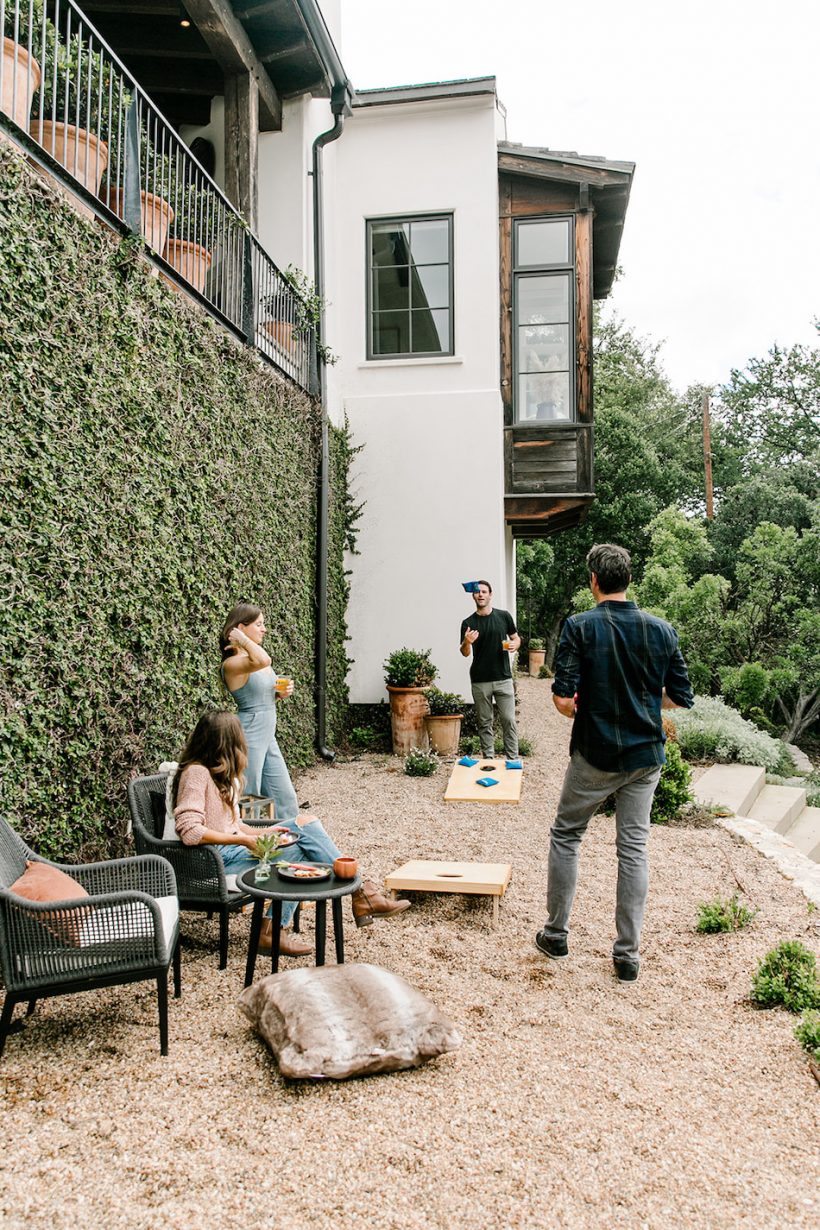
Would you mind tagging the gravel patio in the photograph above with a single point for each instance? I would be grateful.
(575, 1101)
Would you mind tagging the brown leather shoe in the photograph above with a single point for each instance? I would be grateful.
(289, 945)
(369, 902)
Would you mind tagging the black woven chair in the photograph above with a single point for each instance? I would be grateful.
(202, 883)
(125, 930)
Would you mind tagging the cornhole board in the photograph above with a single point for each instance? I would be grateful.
(429, 876)
(462, 787)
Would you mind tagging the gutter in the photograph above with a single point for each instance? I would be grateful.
(341, 99)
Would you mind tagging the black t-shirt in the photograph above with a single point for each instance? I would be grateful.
(490, 661)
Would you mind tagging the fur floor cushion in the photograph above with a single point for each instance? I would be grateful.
(346, 1020)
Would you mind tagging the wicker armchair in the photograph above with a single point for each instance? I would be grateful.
(125, 930)
(201, 880)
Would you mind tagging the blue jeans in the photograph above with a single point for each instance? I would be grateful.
(314, 846)
(585, 788)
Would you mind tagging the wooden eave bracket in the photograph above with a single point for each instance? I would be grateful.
(234, 52)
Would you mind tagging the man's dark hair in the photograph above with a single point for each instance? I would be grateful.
(612, 566)
(487, 583)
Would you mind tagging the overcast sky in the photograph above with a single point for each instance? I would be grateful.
(716, 102)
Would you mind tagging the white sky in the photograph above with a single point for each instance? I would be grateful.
(716, 102)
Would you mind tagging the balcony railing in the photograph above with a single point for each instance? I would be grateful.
(63, 87)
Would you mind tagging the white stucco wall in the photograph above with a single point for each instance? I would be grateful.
(431, 472)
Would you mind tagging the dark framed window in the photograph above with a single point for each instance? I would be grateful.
(544, 319)
(410, 286)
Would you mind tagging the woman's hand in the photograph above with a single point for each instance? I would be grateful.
(236, 637)
(284, 687)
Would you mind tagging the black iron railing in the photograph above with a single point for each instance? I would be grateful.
(68, 91)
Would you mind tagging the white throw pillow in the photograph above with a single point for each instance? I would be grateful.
(131, 920)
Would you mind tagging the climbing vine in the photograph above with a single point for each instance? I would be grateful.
(153, 471)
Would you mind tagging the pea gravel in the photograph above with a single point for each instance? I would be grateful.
(575, 1101)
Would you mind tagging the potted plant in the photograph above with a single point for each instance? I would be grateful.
(192, 228)
(443, 722)
(21, 72)
(537, 653)
(407, 672)
(308, 310)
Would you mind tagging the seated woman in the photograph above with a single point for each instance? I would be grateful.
(205, 798)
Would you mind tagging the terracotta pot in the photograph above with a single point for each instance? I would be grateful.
(280, 332)
(444, 733)
(156, 214)
(346, 868)
(408, 709)
(536, 660)
(190, 259)
(17, 103)
(79, 151)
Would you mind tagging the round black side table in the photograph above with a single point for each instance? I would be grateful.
(276, 890)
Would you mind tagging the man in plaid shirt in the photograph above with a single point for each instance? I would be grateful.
(617, 667)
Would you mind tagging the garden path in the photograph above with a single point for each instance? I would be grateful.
(574, 1102)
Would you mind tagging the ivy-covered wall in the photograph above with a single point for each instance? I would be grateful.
(153, 472)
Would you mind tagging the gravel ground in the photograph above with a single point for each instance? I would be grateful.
(575, 1101)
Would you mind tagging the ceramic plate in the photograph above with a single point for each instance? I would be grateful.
(304, 873)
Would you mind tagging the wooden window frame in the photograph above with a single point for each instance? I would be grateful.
(567, 268)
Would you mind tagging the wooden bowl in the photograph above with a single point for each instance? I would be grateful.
(346, 868)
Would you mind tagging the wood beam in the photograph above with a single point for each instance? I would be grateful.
(233, 50)
(241, 132)
(565, 172)
(284, 50)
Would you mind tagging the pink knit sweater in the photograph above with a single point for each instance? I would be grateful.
(200, 806)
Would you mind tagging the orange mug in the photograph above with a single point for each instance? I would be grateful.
(346, 868)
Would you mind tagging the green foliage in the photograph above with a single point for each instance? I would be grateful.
(443, 704)
(807, 1033)
(153, 471)
(537, 643)
(723, 915)
(712, 730)
(746, 687)
(343, 518)
(812, 786)
(366, 738)
(673, 791)
(269, 847)
(310, 308)
(544, 672)
(409, 668)
(421, 763)
(788, 976)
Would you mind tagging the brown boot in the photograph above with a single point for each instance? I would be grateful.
(369, 902)
(289, 945)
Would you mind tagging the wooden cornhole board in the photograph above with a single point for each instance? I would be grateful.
(462, 787)
(428, 876)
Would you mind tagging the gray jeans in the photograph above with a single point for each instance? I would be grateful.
(585, 788)
(504, 693)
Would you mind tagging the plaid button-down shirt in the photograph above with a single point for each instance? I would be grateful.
(618, 659)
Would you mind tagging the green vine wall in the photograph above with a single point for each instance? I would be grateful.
(153, 471)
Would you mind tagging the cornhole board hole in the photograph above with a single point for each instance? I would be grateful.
(462, 786)
(429, 876)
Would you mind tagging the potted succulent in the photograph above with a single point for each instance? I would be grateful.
(537, 653)
(443, 722)
(21, 72)
(407, 672)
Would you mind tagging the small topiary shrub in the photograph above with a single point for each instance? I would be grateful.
(807, 1033)
(674, 788)
(787, 976)
(712, 730)
(719, 915)
(544, 672)
(409, 668)
(420, 763)
(443, 704)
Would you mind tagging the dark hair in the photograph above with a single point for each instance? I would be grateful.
(612, 567)
(487, 583)
(217, 742)
(242, 613)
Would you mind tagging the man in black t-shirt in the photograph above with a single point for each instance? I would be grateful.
(490, 636)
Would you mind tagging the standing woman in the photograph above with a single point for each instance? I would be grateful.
(251, 681)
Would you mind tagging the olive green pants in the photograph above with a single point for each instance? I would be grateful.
(503, 692)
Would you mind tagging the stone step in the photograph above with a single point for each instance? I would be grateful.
(734, 786)
(805, 833)
(778, 807)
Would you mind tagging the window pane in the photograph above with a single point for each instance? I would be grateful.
(390, 243)
(431, 332)
(430, 241)
(391, 288)
(543, 348)
(391, 332)
(431, 286)
(543, 301)
(543, 399)
(543, 243)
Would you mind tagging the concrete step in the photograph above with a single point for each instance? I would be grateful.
(734, 786)
(778, 807)
(805, 833)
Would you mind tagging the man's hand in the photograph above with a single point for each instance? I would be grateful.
(471, 635)
(514, 642)
(564, 705)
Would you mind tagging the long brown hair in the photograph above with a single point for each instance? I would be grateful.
(242, 613)
(217, 742)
